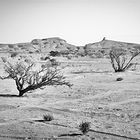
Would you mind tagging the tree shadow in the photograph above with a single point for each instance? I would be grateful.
(80, 72)
(8, 95)
(40, 121)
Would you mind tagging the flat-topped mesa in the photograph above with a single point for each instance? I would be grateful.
(47, 40)
(54, 39)
(53, 44)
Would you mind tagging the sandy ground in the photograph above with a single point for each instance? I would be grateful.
(112, 107)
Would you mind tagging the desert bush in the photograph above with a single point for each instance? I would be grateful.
(27, 78)
(120, 60)
(84, 127)
(48, 117)
(99, 54)
(11, 46)
(119, 79)
(54, 62)
(44, 58)
(80, 52)
(30, 52)
(69, 57)
(28, 60)
(54, 53)
(14, 54)
(37, 51)
(20, 45)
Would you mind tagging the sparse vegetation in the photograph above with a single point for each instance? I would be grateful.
(119, 79)
(69, 57)
(37, 51)
(120, 60)
(84, 127)
(26, 78)
(45, 58)
(54, 53)
(48, 117)
(35, 42)
(54, 62)
(11, 46)
(14, 54)
(30, 52)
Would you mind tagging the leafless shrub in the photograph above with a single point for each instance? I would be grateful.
(119, 79)
(84, 127)
(45, 58)
(54, 62)
(26, 79)
(48, 117)
(54, 53)
(11, 46)
(120, 60)
(14, 54)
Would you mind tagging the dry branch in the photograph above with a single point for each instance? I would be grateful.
(120, 60)
(26, 79)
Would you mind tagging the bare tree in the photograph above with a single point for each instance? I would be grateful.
(27, 79)
(120, 60)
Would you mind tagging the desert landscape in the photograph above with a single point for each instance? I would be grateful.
(107, 101)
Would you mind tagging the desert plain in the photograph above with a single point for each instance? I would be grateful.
(111, 107)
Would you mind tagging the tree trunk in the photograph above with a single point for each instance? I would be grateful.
(21, 92)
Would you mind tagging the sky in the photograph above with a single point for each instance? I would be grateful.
(77, 21)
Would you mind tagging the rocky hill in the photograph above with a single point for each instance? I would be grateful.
(103, 47)
(56, 44)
